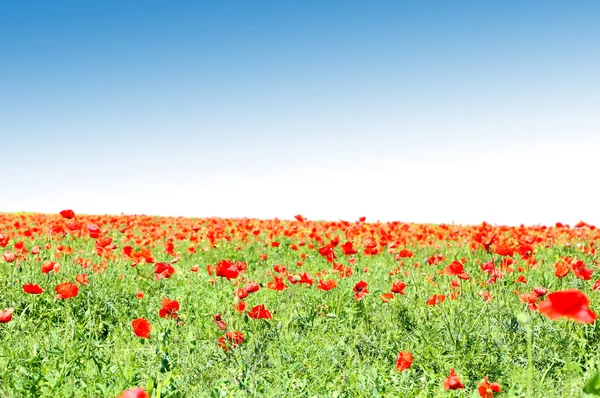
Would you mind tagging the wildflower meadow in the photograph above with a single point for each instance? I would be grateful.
(141, 306)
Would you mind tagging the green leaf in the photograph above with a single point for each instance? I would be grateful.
(593, 384)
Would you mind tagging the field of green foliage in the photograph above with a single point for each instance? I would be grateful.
(136, 306)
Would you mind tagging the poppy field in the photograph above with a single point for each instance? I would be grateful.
(141, 306)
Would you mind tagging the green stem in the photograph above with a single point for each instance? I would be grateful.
(569, 356)
(448, 326)
(529, 360)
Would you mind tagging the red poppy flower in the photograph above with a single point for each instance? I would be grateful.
(456, 268)
(227, 269)
(219, 320)
(141, 327)
(6, 315)
(540, 291)
(259, 312)
(169, 247)
(9, 257)
(4, 239)
(436, 299)
(571, 304)
(127, 250)
(562, 269)
(163, 270)
(57, 229)
(452, 382)
(231, 340)
(48, 266)
(139, 295)
(279, 268)
(240, 293)
(82, 279)
(328, 252)
(581, 271)
(386, 297)
(503, 249)
(252, 287)
(104, 242)
(301, 278)
(136, 392)
(326, 284)
(169, 309)
(398, 287)
(360, 290)
(68, 214)
(487, 389)
(404, 253)
(530, 299)
(240, 307)
(66, 290)
(277, 284)
(74, 226)
(32, 288)
(93, 230)
(596, 285)
(348, 249)
(404, 360)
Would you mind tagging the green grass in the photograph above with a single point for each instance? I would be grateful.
(319, 343)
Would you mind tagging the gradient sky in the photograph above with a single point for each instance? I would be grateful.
(422, 111)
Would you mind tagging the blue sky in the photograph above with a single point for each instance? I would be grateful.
(426, 111)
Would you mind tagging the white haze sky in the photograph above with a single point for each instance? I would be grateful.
(416, 112)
